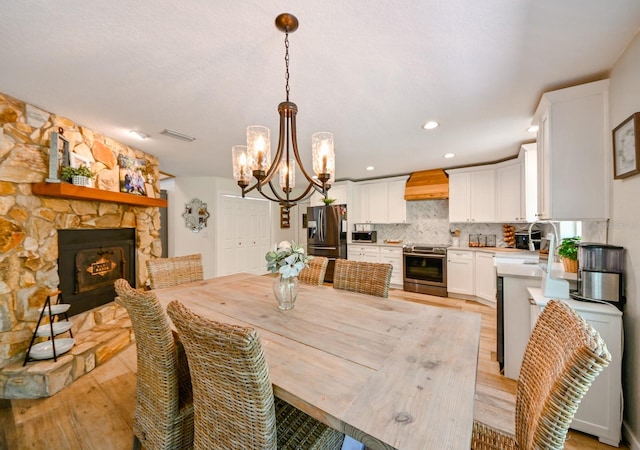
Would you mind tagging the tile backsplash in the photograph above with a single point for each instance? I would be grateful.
(428, 223)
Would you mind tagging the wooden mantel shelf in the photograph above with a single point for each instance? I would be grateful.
(66, 190)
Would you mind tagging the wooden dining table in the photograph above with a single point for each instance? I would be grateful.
(389, 373)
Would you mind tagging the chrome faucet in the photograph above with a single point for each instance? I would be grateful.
(555, 232)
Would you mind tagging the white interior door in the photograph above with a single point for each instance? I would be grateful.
(245, 235)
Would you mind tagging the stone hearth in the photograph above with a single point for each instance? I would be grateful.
(100, 334)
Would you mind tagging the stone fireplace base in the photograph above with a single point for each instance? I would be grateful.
(99, 333)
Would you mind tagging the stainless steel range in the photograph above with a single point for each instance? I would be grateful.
(425, 269)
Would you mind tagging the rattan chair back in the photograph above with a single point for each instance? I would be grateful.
(166, 272)
(314, 274)
(163, 417)
(363, 277)
(233, 397)
(562, 358)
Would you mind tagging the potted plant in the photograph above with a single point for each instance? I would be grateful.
(80, 176)
(568, 251)
(328, 201)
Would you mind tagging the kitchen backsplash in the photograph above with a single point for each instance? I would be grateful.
(429, 224)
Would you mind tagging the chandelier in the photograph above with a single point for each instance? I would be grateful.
(254, 159)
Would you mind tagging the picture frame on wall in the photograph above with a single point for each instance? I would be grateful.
(58, 155)
(132, 175)
(626, 147)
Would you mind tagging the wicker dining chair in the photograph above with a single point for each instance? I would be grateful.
(563, 357)
(234, 403)
(314, 274)
(363, 277)
(166, 272)
(163, 417)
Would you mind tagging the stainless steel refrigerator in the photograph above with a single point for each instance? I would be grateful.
(327, 234)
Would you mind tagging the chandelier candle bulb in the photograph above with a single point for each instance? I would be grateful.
(241, 170)
(259, 148)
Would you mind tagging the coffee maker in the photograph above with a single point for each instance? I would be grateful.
(600, 273)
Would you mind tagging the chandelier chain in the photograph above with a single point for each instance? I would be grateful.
(286, 60)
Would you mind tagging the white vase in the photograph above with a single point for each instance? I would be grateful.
(286, 291)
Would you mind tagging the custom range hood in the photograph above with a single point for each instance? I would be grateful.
(427, 185)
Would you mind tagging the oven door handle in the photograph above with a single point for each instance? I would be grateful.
(427, 255)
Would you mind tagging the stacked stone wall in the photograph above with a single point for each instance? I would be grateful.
(29, 223)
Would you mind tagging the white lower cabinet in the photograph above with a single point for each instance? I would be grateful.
(393, 256)
(460, 272)
(485, 276)
(379, 254)
(366, 253)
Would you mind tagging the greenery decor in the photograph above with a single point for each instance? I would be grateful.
(287, 259)
(328, 201)
(569, 248)
(68, 172)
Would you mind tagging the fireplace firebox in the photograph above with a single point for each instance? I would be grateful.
(90, 260)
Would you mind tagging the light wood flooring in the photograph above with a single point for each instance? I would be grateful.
(96, 411)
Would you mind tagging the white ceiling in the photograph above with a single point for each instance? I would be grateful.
(371, 71)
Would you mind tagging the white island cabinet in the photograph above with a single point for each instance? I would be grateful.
(600, 411)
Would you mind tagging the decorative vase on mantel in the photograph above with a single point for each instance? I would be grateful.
(286, 291)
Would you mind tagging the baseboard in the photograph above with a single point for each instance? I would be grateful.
(634, 442)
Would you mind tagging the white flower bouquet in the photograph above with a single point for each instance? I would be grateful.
(287, 259)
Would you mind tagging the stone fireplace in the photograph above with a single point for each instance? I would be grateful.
(30, 228)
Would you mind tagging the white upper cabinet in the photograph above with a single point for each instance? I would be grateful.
(516, 187)
(339, 192)
(472, 194)
(573, 151)
(509, 192)
(380, 201)
(396, 204)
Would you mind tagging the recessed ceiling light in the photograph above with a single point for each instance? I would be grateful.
(139, 134)
(449, 155)
(430, 125)
(533, 129)
(370, 167)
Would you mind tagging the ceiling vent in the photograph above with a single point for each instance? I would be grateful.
(427, 185)
(176, 135)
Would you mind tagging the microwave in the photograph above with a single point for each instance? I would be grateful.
(522, 240)
(364, 236)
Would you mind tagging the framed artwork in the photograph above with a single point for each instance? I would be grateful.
(76, 160)
(132, 175)
(626, 147)
(150, 192)
(58, 155)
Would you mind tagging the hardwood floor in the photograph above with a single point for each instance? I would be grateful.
(96, 412)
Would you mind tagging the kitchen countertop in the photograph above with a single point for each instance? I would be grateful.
(581, 306)
(520, 270)
(377, 244)
(494, 249)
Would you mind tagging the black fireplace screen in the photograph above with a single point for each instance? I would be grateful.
(89, 261)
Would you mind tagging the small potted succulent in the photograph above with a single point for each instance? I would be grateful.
(80, 176)
(568, 251)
